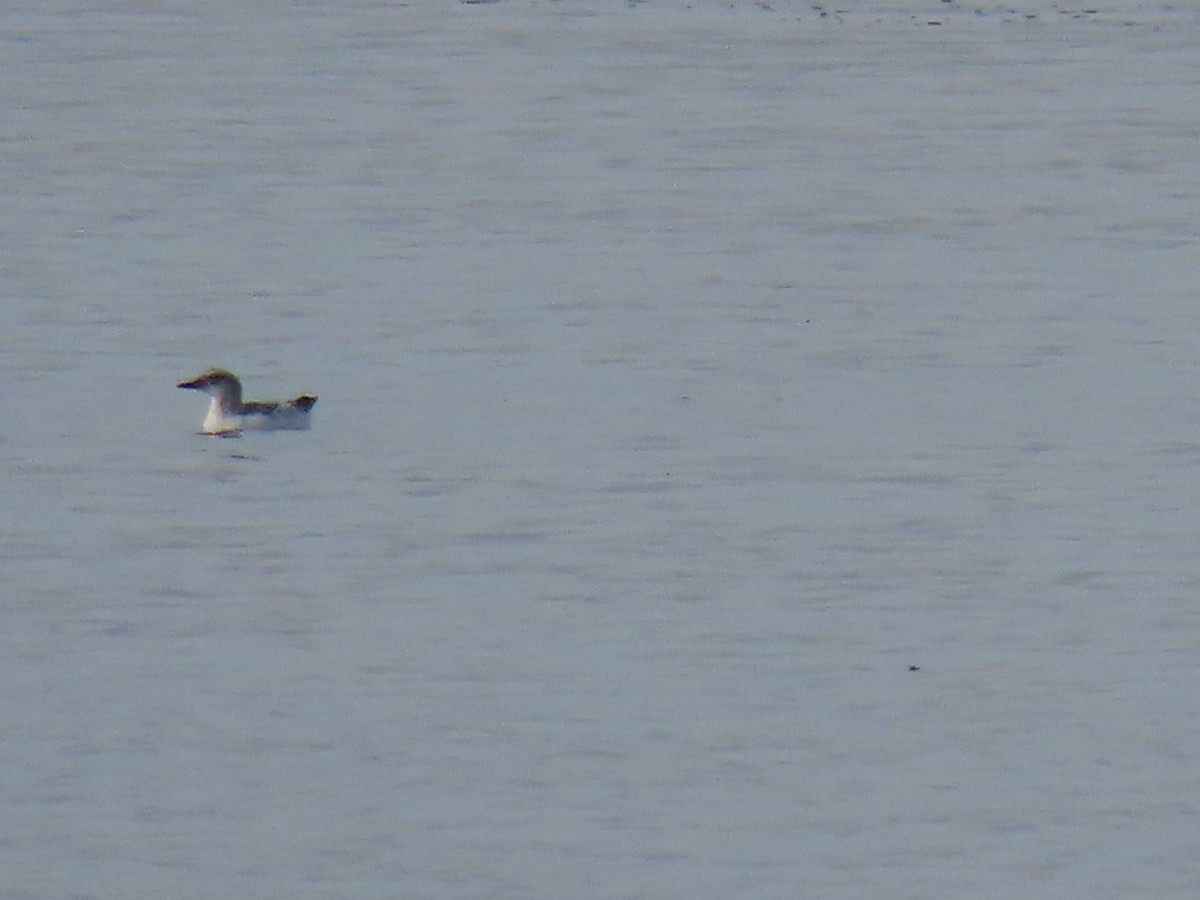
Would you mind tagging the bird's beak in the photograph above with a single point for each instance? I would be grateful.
(191, 385)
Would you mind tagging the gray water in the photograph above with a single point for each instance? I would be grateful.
(757, 454)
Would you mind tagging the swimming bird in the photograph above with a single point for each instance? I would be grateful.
(228, 414)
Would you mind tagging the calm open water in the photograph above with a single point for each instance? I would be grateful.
(757, 452)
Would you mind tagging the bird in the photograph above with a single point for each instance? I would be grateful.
(229, 415)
